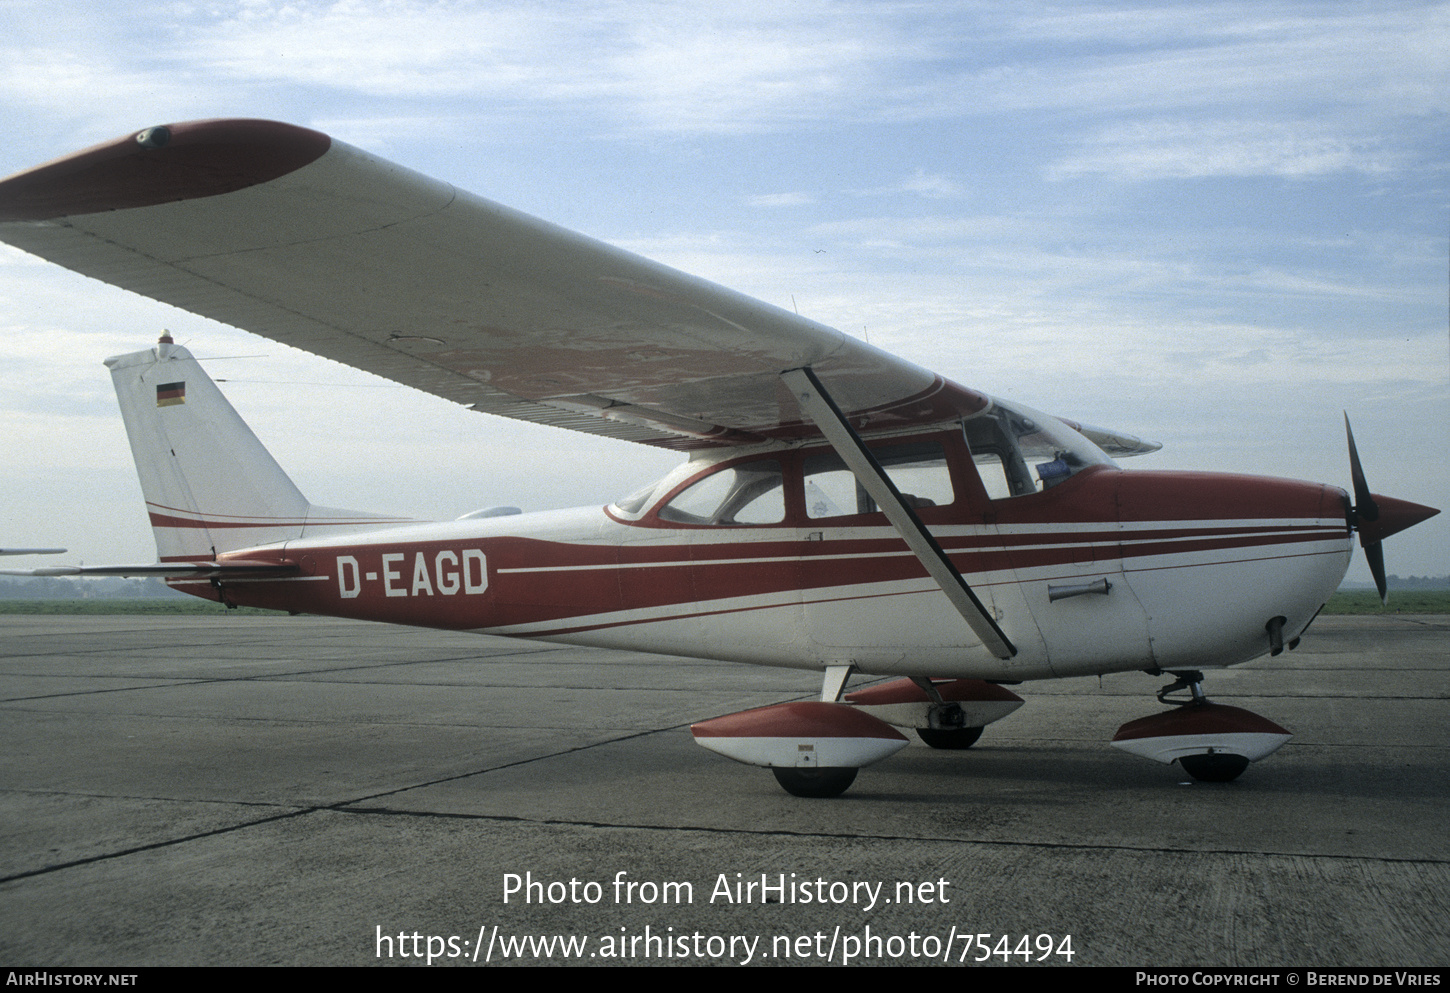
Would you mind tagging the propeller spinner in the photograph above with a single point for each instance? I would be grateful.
(1377, 517)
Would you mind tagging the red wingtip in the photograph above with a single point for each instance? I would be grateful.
(160, 165)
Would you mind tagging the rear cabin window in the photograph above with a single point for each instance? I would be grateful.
(919, 471)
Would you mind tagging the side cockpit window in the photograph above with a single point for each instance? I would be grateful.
(1019, 452)
(745, 493)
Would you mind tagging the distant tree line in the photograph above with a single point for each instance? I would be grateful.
(1405, 583)
(1418, 582)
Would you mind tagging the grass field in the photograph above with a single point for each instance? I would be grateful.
(1401, 602)
(1343, 602)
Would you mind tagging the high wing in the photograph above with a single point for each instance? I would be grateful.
(282, 231)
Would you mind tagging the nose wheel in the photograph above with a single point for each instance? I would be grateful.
(949, 738)
(1214, 767)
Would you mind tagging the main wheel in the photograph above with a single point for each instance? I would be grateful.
(1215, 767)
(949, 737)
(814, 782)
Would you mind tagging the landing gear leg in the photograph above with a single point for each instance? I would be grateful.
(1189, 679)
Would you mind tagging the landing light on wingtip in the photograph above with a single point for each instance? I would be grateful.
(153, 137)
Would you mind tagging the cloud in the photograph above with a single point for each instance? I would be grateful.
(931, 185)
(1201, 55)
(793, 199)
(1163, 149)
(663, 66)
(698, 68)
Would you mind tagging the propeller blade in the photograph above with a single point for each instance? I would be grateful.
(1374, 554)
(1376, 518)
(1365, 509)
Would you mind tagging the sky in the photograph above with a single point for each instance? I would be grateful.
(1219, 225)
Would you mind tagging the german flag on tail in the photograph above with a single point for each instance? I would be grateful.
(170, 394)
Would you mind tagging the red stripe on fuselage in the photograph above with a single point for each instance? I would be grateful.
(534, 581)
(1141, 522)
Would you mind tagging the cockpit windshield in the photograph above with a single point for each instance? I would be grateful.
(1019, 451)
(743, 493)
(640, 500)
(748, 493)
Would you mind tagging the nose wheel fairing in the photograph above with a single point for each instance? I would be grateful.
(1211, 741)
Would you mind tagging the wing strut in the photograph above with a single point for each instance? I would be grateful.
(819, 407)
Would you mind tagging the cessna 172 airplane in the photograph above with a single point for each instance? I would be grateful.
(841, 510)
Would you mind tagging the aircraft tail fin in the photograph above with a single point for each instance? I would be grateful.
(210, 485)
